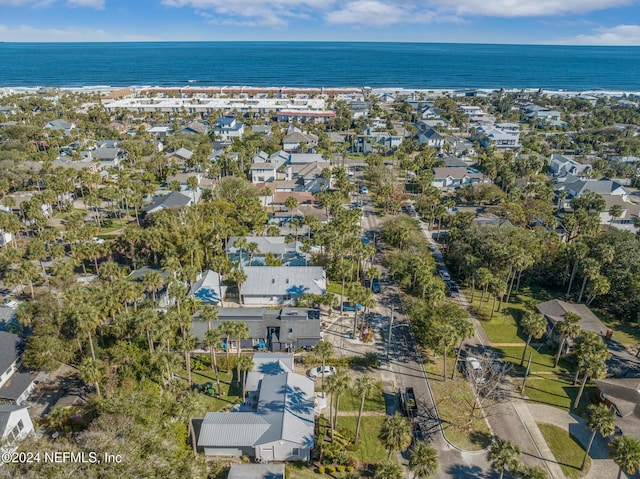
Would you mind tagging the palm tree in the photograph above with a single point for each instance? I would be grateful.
(601, 419)
(324, 350)
(504, 456)
(238, 276)
(588, 344)
(240, 332)
(91, 371)
(363, 386)
(212, 339)
(152, 283)
(185, 345)
(423, 461)
(535, 472)
(395, 433)
(338, 383)
(388, 470)
(227, 329)
(446, 335)
(245, 364)
(568, 328)
(625, 452)
(534, 325)
(499, 288)
(593, 367)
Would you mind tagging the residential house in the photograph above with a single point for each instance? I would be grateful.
(456, 176)
(275, 423)
(60, 125)
(285, 329)
(108, 156)
(16, 383)
(15, 425)
(182, 178)
(8, 319)
(306, 158)
(373, 141)
(160, 131)
(471, 110)
(262, 129)
(561, 166)
(174, 200)
(603, 187)
(453, 163)
(502, 139)
(7, 110)
(288, 252)
(622, 395)
(208, 289)
(6, 237)
(162, 296)
(629, 213)
(195, 128)
(227, 128)
(299, 142)
(305, 116)
(180, 156)
(555, 311)
(275, 285)
(429, 136)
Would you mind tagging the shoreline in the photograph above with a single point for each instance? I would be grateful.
(8, 90)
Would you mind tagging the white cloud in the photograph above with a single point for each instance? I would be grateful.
(380, 12)
(376, 12)
(525, 8)
(98, 4)
(618, 35)
(27, 33)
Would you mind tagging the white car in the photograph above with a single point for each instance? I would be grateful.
(364, 190)
(317, 372)
(474, 369)
(444, 275)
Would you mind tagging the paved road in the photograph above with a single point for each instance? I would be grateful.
(511, 419)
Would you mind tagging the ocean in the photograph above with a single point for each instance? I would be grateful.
(313, 64)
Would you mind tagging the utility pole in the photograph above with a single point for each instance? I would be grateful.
(524, 381)
(389, 338)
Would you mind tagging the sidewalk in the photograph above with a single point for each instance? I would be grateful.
(522, 409)
(601, 466)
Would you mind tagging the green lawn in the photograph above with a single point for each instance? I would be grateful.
(350, 401)
(568, 452)
(455, 399)
(541, 361)
(231, 392)
(503, 327)
(557, 390)
(370, 449)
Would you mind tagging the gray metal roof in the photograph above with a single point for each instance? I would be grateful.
(10, 350)
(601, 187)
(287, 401)
(17, 384)
(266, 244)
(256, 471)
(284, 280)
(5, 414)
(231, 429)
(303, 322)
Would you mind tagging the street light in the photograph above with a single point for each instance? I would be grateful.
(389, 338)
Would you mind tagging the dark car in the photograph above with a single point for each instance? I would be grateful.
(452, 289)
(375, 285)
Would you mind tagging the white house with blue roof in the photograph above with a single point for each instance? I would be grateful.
(227, 128)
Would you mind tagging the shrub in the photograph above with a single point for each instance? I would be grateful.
(321, 470)
(200, 362)
(350, 468)
(341, 457)
(331, 469)
(352, 462)
(341, 468)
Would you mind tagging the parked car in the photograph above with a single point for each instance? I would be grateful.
(364, 190)
(347, 306)
(375, 285)
(317, 372)
(474, 369)
(444, 275)
(452, 289)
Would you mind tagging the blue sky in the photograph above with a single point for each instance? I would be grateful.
(581, 22)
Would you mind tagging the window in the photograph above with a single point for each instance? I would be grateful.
(20, 425)
(295, 451)
(291, 330)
